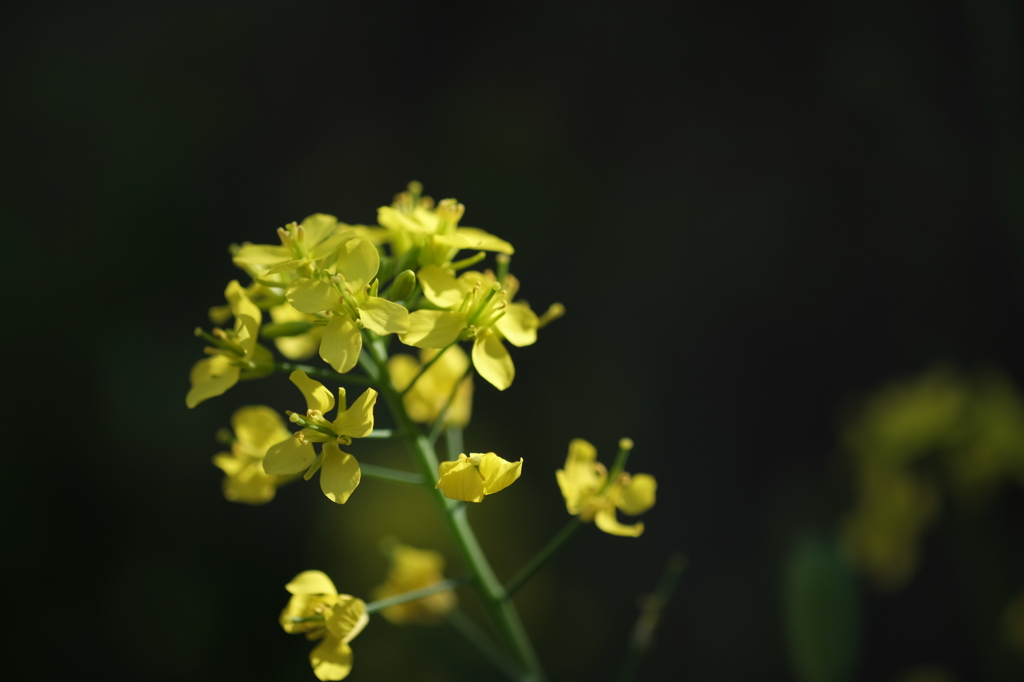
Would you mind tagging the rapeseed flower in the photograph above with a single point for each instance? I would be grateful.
(471, 477)
(475, 306)
(591, 496)
(319, 612)
(413, 569)
(235, 355)
(343, 293)
(256, 429)
(339, 471)
(413, 222)
(304, 248)
(444, 383)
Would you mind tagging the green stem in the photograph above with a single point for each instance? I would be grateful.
(503, 613)
(453, 441)
(426, 365)
(322, 373)
(475, 636)
(438, 425)
(412, 595)
(625, 446)
(554, 544)
(388, 474)
(642, 636)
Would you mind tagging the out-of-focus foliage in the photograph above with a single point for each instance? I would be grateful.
(822, 611)
(945, 437)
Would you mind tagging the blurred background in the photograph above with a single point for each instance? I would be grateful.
(789, 238)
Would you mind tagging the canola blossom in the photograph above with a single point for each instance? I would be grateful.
(441, 385)
(473, 306)
(317, 611)
(472, 476)
(398, 310)
(235, 354)
(256, 429)
(413, 569)
(339, 471)
(591, 495)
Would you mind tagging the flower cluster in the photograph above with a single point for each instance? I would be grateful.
(388, 308)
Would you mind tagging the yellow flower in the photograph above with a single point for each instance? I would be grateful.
(303, 247)
(471, 477)
(590, 495)
(256, 427)
(300, 346)
(432, 391)
(344, 293)
(319, 612)
(339, 471)
(477, 307)
(413, 222)
(413, 569)
(236, 354)
(883, 531)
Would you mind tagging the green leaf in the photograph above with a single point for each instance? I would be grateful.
(822, 611)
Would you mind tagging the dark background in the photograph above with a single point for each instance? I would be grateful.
(755, 214)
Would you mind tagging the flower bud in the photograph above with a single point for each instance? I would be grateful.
(403, 286)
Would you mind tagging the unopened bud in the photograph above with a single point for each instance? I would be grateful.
(403, 286)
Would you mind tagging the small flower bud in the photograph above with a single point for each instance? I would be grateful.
(403, 285)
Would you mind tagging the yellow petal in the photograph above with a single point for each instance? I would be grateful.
(247, 317)
(518, 325)
(460, 480)
(211, 377)
(432, 328)
(303, 606)
(312, 295)
(398, 221)
(311, 582)
(348, 618)
(637, 496)
(341, 343)
(582, 455)
(358, 261)
(290, 456)
(260, 256)
(317, 228)
(357, 420)
(326, 251)
(439, 287)
(606, 521)
(303, 346)
(492, 361)
(339, 473)
(582, 476)
(316, 394)
(476, 238)
(331, 659)
(498, 473)
(258, 426)
(402, 368)
(286, 266)
(382, 316)
(228, 463)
